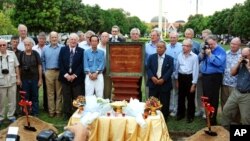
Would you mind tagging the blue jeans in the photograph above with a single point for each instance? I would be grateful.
(31, 88)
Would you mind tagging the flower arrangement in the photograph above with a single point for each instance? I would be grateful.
(153, 102)
(79, 102)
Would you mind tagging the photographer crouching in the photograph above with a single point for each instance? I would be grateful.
(213, 63)
(239, 99)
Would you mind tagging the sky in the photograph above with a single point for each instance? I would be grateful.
(172, 9)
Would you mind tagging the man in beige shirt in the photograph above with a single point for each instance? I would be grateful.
(9, 79)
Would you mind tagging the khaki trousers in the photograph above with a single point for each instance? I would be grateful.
(10, 94)
(236, 101)
(54, 91)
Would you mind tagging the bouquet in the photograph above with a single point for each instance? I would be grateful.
(153, 102)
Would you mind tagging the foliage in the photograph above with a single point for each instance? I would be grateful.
(197, 23)
(6, 25)
(71, 16)
(37, 15)
(234, 21)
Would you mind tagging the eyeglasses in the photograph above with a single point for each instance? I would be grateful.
(2, 45)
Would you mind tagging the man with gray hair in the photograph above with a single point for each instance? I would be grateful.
(39, 48)
(174, 48)
(135, 34)
(86, 45)
(150, 48)
(189, 34)
(71, 73)
(31, 74)
(23, 33)
(50, 61)
(9, 79)
(186, 75)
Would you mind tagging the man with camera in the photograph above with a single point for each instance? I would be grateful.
(31, 74)
(9, 79)
(239, 99)
(213, 63)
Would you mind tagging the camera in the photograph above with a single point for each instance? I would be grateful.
(244, 61)
(50, 135)
(26, 68)
(206, 46)
(5, 71)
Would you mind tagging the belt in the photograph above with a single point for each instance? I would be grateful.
(52, 68)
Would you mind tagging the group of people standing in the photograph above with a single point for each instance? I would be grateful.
(175, 72)
(188, 70)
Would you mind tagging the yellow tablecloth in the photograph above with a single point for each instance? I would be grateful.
(126, 128)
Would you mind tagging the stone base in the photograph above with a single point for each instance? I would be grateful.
(222, 135)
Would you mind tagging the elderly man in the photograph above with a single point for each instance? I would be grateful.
(159, 70)
(50, 60)
(71, 73)
(189, 34)
(187, 71)
(94, 63)
(229, 81)
(31, 74)
(23, 33)
(239, 99)
(135, 34)
(174, 48)
(9, 79)
(200, 110)
(86, 44)
(39, 48)
(150, 48)
(107, 82)
(213, 63)
(116, 35)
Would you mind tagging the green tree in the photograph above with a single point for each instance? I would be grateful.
(6, 25)
(37, 15)
(72, 16)
(241, 22)
(197, 23)
(136, 22)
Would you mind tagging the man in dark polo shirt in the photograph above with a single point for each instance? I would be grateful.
(240, 97)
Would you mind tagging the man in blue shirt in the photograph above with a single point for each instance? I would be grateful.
(94, 63)
(213, 63)
(150, 48)
(50, 57)
(174, 48)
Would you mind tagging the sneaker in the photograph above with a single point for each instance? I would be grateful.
(173, 114)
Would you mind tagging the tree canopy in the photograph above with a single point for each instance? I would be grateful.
(234, 21)
(71, 16)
